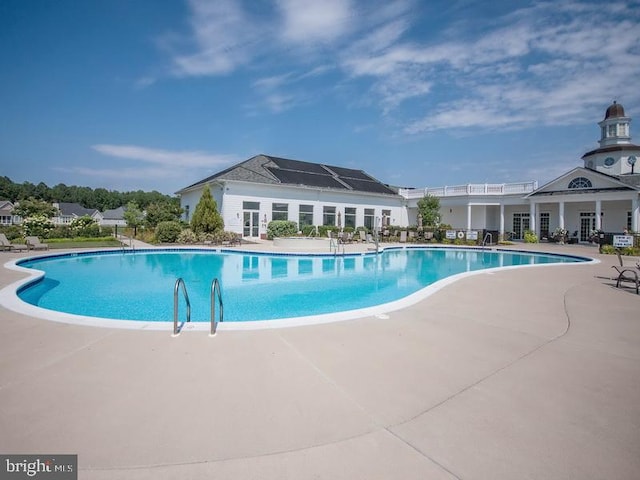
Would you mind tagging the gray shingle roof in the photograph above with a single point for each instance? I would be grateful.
(114, 214)
(270, 170)
(70, 209)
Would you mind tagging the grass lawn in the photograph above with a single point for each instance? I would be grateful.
(83, 244)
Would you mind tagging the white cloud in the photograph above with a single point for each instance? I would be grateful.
(222, 37)
(309, 21)
(129, 173)
(549, 63)
(554, 64)
(165, 158)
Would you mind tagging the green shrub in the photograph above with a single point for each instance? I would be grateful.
(38, 226)
(12, 232)
(187, 236)
(611, 250)
(530, 237)
(281, 228)
(84, 226)
(309, 230)
(168, 232)
(217, 238)
(61, 231)
(323, 229)
(608, 249)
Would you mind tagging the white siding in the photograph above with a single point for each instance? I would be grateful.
(230, 204)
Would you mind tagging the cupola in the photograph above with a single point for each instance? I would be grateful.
(615, 126)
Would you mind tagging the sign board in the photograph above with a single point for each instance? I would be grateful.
(472, 235)
(451, 234)
(623, 241)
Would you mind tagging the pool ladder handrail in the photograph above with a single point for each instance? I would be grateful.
(334, 246)
(176, 288)
(215, 288)
(484, 240)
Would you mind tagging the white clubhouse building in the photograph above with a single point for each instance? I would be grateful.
(603, 194)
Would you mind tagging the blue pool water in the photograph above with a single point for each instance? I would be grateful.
(139, 286)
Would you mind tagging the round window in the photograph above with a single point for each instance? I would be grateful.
(609, 161)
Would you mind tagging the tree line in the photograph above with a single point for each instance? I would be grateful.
(98, 198)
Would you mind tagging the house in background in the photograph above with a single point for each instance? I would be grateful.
(113, 217)
(6, 213)
(67, 212)
(263, 188)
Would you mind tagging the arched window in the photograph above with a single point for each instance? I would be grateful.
(580, 182)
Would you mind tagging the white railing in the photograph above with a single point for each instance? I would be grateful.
(471, 189)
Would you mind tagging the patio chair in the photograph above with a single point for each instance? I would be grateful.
(626, 274)
(403, 236)
(363, 235)
(34, 243)
(6, 245)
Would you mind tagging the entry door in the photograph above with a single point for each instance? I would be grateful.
(587, 224)
(251, 224)
(521, 222)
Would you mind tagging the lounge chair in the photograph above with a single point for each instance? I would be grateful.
(35, 244)
(363, 235)
(6, 245)
(403, 236)
(626, 274)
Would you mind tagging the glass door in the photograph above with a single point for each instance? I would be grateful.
(587, 225)
(251, 224)
(521, 222)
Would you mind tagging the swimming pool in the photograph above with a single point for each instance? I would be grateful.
(256, 287)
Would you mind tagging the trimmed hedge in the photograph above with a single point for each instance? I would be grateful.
(281, 228)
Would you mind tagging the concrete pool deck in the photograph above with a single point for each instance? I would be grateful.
(523, 373)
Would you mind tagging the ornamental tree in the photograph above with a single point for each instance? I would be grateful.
(133, 216)
(429, 208)
(34, 208)
(206, 218)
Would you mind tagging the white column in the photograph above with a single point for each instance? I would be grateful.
(502, 219)
(635, 214)
(561, 215)
(532, 217)
(468, 216)
(598, 214)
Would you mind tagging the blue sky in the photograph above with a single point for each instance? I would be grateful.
(149, 94)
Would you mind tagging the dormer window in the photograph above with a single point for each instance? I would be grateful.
(580, 182)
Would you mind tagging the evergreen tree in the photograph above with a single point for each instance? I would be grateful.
(206, 218)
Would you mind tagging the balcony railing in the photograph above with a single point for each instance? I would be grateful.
(519, 188)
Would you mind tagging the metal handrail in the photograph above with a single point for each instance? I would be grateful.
(215, 287)
(334, 246)
(180, 281)
(484, 241)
